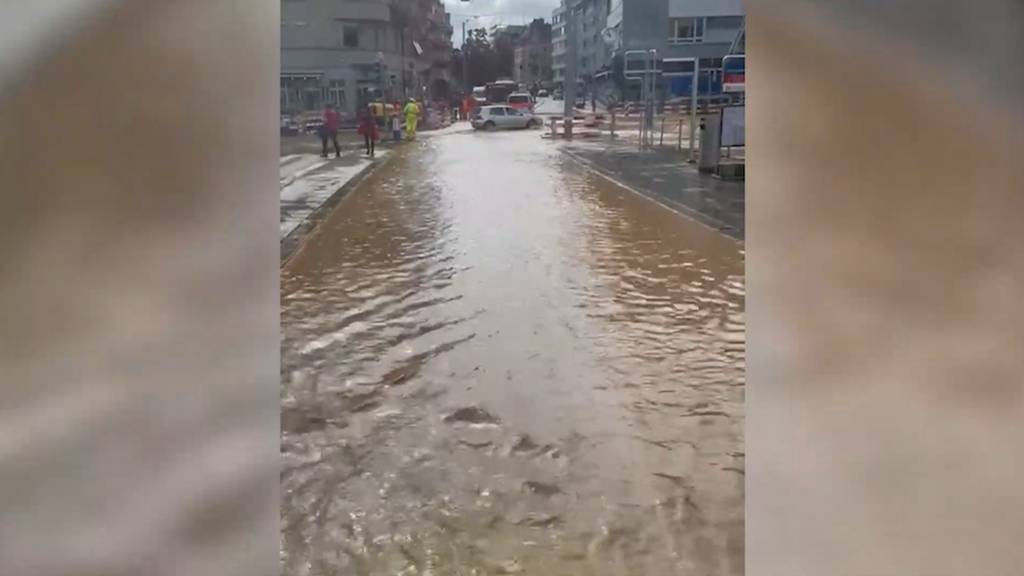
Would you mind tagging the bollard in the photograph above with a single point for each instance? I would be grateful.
(661, 138)
(679, 142)
(613, 123)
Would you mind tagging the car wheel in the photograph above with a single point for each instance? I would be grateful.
(489, 125)
(531, 124)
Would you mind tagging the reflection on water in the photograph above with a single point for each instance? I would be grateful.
(495, 363)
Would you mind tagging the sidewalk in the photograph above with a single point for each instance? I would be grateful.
(311, 185)
(664, 175)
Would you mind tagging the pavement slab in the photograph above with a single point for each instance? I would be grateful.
(664, 174)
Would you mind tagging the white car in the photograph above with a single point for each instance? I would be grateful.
(503, 117)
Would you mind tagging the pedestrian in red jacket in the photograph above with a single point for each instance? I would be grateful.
(330, 130)
(368, 128)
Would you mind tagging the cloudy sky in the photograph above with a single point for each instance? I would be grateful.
(491, 12)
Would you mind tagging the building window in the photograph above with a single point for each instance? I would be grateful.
(686, 30)
(336, 90)
(350, 36)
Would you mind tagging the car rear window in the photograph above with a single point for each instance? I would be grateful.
(497, 112)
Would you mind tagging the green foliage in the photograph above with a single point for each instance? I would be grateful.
(485, 62)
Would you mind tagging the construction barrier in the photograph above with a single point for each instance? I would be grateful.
(704, 106)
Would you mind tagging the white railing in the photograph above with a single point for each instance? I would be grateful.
(697, 40)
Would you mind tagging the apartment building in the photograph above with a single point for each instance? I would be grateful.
(532, 63)
(704, 30)
(593, 53)
(349, 52)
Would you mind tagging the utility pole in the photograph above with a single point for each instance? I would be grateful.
(644, 86)
(693, 107)
(569, 88)
(401, 39)
(652, 80)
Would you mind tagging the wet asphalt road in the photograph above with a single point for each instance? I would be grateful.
(495, 362)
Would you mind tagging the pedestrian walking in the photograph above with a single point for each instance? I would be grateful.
(412, 116)
(396, 125)
(329, 130)
(368, 129)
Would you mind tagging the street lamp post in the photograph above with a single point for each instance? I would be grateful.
(465, 67)
(380, 74)
(569, 82)
(693, 108)
(401, 41)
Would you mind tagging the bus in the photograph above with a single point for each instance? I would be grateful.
(498, 91)
(480, 95)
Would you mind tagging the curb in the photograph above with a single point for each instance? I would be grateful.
(704, 220)
(296, 239)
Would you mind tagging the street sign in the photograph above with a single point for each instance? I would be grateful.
(733, 126)
(637, 64)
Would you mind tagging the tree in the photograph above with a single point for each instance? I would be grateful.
(504, 56)
(480, 57)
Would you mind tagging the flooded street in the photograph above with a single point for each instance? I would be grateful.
(496, 362)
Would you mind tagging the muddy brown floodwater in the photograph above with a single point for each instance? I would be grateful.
(495, 362)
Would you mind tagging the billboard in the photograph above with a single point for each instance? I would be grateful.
(734, 73)
(733, 126)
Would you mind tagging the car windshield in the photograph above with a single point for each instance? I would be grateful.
(497, 112)
(518, 99)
